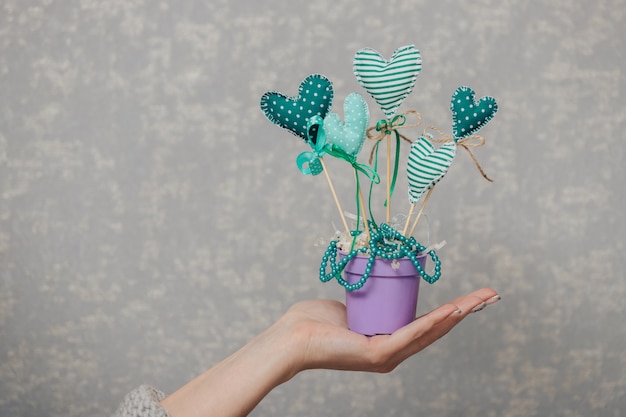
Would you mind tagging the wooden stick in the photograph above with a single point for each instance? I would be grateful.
(367, 229)
(419, 213)
(408, 219)
(388, 178)
(332, 190)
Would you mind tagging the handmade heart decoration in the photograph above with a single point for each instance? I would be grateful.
(315, 96)
(348, 135)
(468, 114)
(427, 166)
(388, 82)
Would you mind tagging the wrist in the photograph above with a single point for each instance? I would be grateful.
(283, 347)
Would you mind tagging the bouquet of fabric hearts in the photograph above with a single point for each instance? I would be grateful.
(378, 263)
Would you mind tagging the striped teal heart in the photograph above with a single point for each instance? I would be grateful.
(315, 96)
(348, 135)
(427, 166)
(388, 82)
(469, 114)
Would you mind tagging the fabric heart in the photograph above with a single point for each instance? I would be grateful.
(469, 115)
(427, 166)
(388, 82)
(315, 96)
(348, 136)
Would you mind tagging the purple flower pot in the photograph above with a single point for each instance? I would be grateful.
(387, 300)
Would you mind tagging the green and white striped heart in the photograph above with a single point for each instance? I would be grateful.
(427, 166)
(469, 114)
(388, 82)
(315, 96)
(348, 135)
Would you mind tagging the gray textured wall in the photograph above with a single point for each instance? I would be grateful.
(152, 220)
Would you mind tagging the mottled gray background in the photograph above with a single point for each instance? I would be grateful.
(152, 220)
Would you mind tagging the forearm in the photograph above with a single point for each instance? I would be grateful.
(237, 384)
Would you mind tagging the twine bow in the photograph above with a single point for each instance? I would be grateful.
(386, 127)
(467, 142)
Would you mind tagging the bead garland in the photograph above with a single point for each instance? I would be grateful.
(385, 243)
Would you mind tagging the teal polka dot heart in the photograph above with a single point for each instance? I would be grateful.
(348, 135)
(315, 96)
(469, 114)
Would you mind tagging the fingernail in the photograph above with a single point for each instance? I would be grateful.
(479, 307)
(493, 299)
(456, 312)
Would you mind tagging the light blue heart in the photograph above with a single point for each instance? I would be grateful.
(348, 135)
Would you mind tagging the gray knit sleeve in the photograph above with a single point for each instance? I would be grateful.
(143, 401)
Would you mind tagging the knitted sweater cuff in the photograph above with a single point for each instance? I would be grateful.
(143, 401)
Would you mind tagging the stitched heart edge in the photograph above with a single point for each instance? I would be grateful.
(481, 123)
(267, 95)
(414, 196)
(389, 111)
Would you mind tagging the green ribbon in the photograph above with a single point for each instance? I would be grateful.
(309, 162)
(388, 127)
(366, 170)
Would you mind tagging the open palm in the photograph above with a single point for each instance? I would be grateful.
(326, 342)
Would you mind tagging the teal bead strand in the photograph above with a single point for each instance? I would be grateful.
(385, 243)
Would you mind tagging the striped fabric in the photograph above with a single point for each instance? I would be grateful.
(426, 166)
(388, 82)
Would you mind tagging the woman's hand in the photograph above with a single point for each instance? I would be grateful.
(311, 334)
(324, 341)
